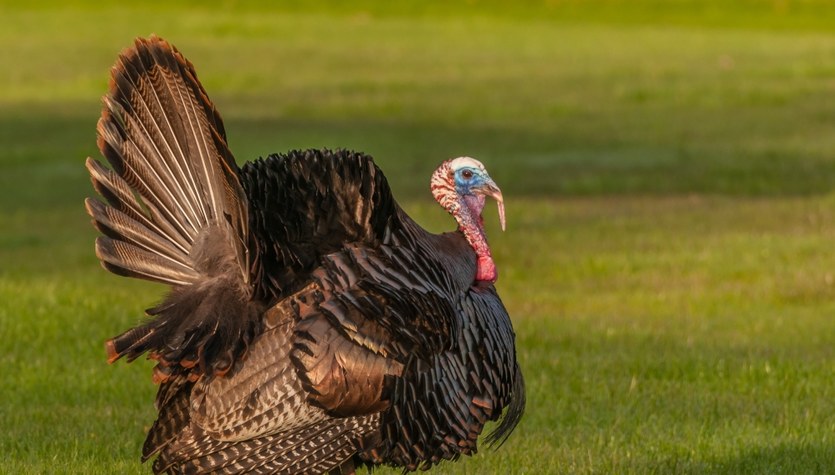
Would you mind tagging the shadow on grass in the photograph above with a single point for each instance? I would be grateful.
(43, 160)
(788, 459)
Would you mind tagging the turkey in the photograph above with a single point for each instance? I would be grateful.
(311, 326)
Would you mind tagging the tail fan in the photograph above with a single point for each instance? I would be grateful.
(175, 212)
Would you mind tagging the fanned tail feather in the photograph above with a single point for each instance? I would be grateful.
(175, 213)
(173, 172)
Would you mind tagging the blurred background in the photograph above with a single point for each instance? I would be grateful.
(668, 168)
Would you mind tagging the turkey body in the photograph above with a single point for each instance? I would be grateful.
(311, 326)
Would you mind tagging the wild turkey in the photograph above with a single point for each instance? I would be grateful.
(311, 326)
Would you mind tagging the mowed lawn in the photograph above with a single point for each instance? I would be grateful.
(668, 168)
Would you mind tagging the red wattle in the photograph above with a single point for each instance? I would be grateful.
(486, 270)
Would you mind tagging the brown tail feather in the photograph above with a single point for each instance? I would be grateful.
(176, 212)
(130, 260)
(127, 343)
(120, 196)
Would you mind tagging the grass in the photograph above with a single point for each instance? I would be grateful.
(669, 174)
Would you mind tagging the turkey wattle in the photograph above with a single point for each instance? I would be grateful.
(311, 325)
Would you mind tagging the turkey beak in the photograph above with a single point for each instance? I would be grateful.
(489, 188)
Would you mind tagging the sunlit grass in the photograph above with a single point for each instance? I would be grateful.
(668, 178)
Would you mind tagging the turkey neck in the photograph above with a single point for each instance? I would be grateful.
(471, 224)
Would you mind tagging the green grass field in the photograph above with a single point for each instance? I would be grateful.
(668, 167)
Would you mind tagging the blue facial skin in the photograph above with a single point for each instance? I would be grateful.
(467, 178)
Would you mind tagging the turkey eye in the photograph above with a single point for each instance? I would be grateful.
(467, 174)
